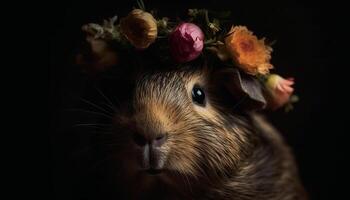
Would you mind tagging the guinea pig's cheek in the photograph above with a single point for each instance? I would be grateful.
(182, 156)
(128, 160)
(207, 112)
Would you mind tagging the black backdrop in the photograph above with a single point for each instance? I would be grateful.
(309, 39)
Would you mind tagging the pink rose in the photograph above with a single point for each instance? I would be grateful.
(280, 90)
(186, 42)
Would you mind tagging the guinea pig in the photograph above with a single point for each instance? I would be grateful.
(183, 133)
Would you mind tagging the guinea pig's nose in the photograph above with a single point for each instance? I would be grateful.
(156, 141)
(159, 140)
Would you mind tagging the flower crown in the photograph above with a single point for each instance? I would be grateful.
(187, 40)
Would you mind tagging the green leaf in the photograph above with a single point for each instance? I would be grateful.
(193, 12)
(289, 107)
(140, 4)
(294, 98)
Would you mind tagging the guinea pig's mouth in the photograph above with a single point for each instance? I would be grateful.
(152, 171)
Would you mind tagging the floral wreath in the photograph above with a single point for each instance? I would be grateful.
(186, 40)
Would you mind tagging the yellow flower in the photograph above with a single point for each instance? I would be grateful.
(250, 54)
(140, 28)
(99, 57)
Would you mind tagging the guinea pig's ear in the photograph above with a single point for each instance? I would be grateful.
(247, 91)
(96, 56)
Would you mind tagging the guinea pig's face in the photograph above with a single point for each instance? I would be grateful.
(179, 126)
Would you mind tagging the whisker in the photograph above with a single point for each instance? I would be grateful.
(110, 104)
(188, 183)
(81, 150)
(100, 131)
(240, 102)
(93, 147)
(94, 166)
(103, 131)
(94, 105)
(94, 125)
(97, 128)
(91, 112)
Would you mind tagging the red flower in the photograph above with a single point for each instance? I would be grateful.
(186, 42)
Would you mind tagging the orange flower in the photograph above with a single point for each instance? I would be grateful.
(250, 54)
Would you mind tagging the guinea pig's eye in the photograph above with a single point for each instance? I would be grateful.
(198, 96)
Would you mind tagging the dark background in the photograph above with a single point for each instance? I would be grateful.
(310, 47)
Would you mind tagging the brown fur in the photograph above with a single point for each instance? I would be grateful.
(211, 152)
